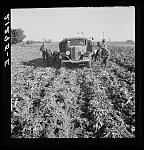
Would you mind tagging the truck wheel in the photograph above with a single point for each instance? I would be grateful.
(89, 64)
(60, 61)
(62, 64)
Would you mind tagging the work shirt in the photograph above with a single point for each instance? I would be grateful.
(94, 51)
(42, 48)
(105, 52)
(104, 45)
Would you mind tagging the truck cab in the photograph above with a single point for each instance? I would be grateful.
(76, 50)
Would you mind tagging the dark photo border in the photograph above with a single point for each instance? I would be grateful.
(6, 104)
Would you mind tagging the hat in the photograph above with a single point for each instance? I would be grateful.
(103, 40)
(99, 44)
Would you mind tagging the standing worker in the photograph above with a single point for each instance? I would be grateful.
(94, 53)
(49, 55)
(104, 43)
(97, 54)
(105, 54)
(43, 50)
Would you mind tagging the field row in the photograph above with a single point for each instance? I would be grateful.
(71, 103)
(123, 56)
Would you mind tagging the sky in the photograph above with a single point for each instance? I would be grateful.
(116, 23)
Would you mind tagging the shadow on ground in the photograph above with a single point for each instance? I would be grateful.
(38, 62)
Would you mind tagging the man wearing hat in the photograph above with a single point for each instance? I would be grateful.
(105, 53)
(43, 50)
(97, 54)
(104, 43)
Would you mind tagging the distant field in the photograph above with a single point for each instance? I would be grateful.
(115, 43)
(28, 55)
(29, 51)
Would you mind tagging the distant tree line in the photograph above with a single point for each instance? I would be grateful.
(32, 42)
(130, 41)
(47, 40)
(17, 35)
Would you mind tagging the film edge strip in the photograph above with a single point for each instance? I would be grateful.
(6, 36)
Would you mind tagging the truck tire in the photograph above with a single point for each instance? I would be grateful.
(62, 64)
(89, 64)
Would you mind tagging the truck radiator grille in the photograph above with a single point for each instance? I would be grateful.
(73, 53)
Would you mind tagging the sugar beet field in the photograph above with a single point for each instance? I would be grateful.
(57, 102)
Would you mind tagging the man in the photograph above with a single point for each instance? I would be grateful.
(104, 43)
(93, 55)
(97, 54)
(56, 56)
(105, 54)
(43, 50)
(49, 55)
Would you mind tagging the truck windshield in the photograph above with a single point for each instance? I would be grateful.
(74, 42)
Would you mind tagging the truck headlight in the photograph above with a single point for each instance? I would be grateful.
(67, 52)
(60, 57)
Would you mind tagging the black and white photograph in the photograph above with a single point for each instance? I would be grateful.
(72, 72)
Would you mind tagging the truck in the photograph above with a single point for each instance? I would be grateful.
(76, 50)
